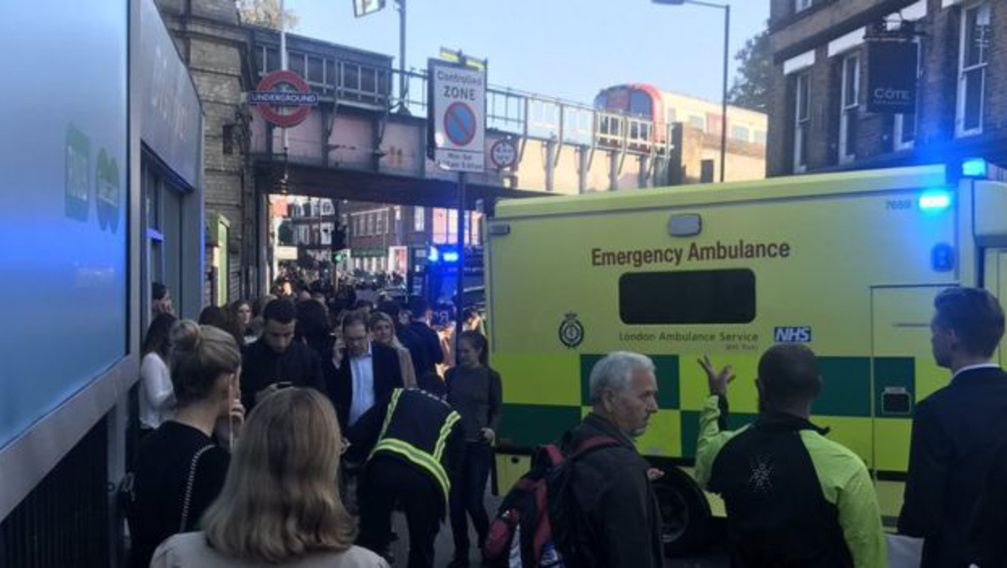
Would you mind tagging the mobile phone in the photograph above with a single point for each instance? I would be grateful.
(230, 417)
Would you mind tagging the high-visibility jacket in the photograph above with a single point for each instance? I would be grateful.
(418, 428)
(793, 497)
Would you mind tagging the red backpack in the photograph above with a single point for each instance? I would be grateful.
(537, 519)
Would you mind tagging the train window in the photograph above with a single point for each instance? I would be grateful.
(640, 104)
(694, 297)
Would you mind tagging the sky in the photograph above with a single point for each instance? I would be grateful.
(568, 49)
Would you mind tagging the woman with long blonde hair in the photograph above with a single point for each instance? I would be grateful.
(382, 328)
(279, 505)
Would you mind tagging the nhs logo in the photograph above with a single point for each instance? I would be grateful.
(792, 334)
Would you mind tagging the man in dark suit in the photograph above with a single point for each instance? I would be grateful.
(957, 428)
(366, 372)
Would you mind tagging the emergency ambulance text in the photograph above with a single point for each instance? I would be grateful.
(675, 256)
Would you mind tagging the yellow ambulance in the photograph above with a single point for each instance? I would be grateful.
(848, 263)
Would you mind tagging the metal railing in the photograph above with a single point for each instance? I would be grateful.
(512, 111)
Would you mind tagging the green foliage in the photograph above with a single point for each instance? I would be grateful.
(265, 13)
(751, 85)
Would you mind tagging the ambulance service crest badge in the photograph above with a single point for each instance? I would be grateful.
(571, 331)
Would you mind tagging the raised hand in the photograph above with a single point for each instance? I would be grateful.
(717, 380)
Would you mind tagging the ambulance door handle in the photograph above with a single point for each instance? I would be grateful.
(896, 401)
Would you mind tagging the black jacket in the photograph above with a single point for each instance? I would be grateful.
(422, 421)
(612, 492)
(955, 433)
(777, 514)
(424, 346)
(387, 377)
(989, 524)
(261, 367)
(160, 478)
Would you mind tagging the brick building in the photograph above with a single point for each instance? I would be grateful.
(818, 116)
(382, 237)
(216, 48)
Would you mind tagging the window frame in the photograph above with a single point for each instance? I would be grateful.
(419, 219)
(800, 158)
(964, 71)
(849, 107)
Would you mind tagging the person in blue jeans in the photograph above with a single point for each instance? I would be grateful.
(474, 390)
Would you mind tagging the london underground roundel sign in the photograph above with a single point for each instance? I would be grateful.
(270, 98)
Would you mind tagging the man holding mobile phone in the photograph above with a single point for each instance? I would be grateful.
(275, 360)
(365, 371)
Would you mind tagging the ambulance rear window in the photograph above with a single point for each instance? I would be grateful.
(695, 297)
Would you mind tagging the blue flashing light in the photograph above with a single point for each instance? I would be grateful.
(935, 201)
(974, 168)
(450, 256)
(433, 255)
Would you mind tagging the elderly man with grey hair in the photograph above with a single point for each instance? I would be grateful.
(618, 520)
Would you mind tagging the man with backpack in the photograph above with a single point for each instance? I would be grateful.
(793, 497)
(614, 518)
(589, 503)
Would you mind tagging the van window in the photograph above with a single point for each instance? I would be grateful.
(695, 297)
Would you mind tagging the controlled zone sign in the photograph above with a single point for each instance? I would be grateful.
(271, 96)
(458, 116)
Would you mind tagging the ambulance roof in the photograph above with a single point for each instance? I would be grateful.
(860, 181)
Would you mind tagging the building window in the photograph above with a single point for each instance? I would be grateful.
(850, 105)
(904, 135)
(974, 56)
(801, 5)
(760, 137)
(802, 119)
(905, 131)
(419, 219)
(740, 133)
(697, 122)
(228, 139)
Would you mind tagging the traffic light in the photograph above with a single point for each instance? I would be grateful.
(339, 238)
(338, 243)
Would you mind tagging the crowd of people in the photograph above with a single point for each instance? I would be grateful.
(370, 404)
(793, 497)
(351, 406)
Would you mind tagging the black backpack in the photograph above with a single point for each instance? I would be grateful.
(536, 524)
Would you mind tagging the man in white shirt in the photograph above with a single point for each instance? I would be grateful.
(366, 372)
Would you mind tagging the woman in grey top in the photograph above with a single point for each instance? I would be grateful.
(475, 392)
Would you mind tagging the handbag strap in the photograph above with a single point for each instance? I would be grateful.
(188, 486)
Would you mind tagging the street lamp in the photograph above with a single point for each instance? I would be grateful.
(723, 100)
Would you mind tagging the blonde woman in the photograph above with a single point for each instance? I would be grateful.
(279, 506)
(382, 329)
(181, 466)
